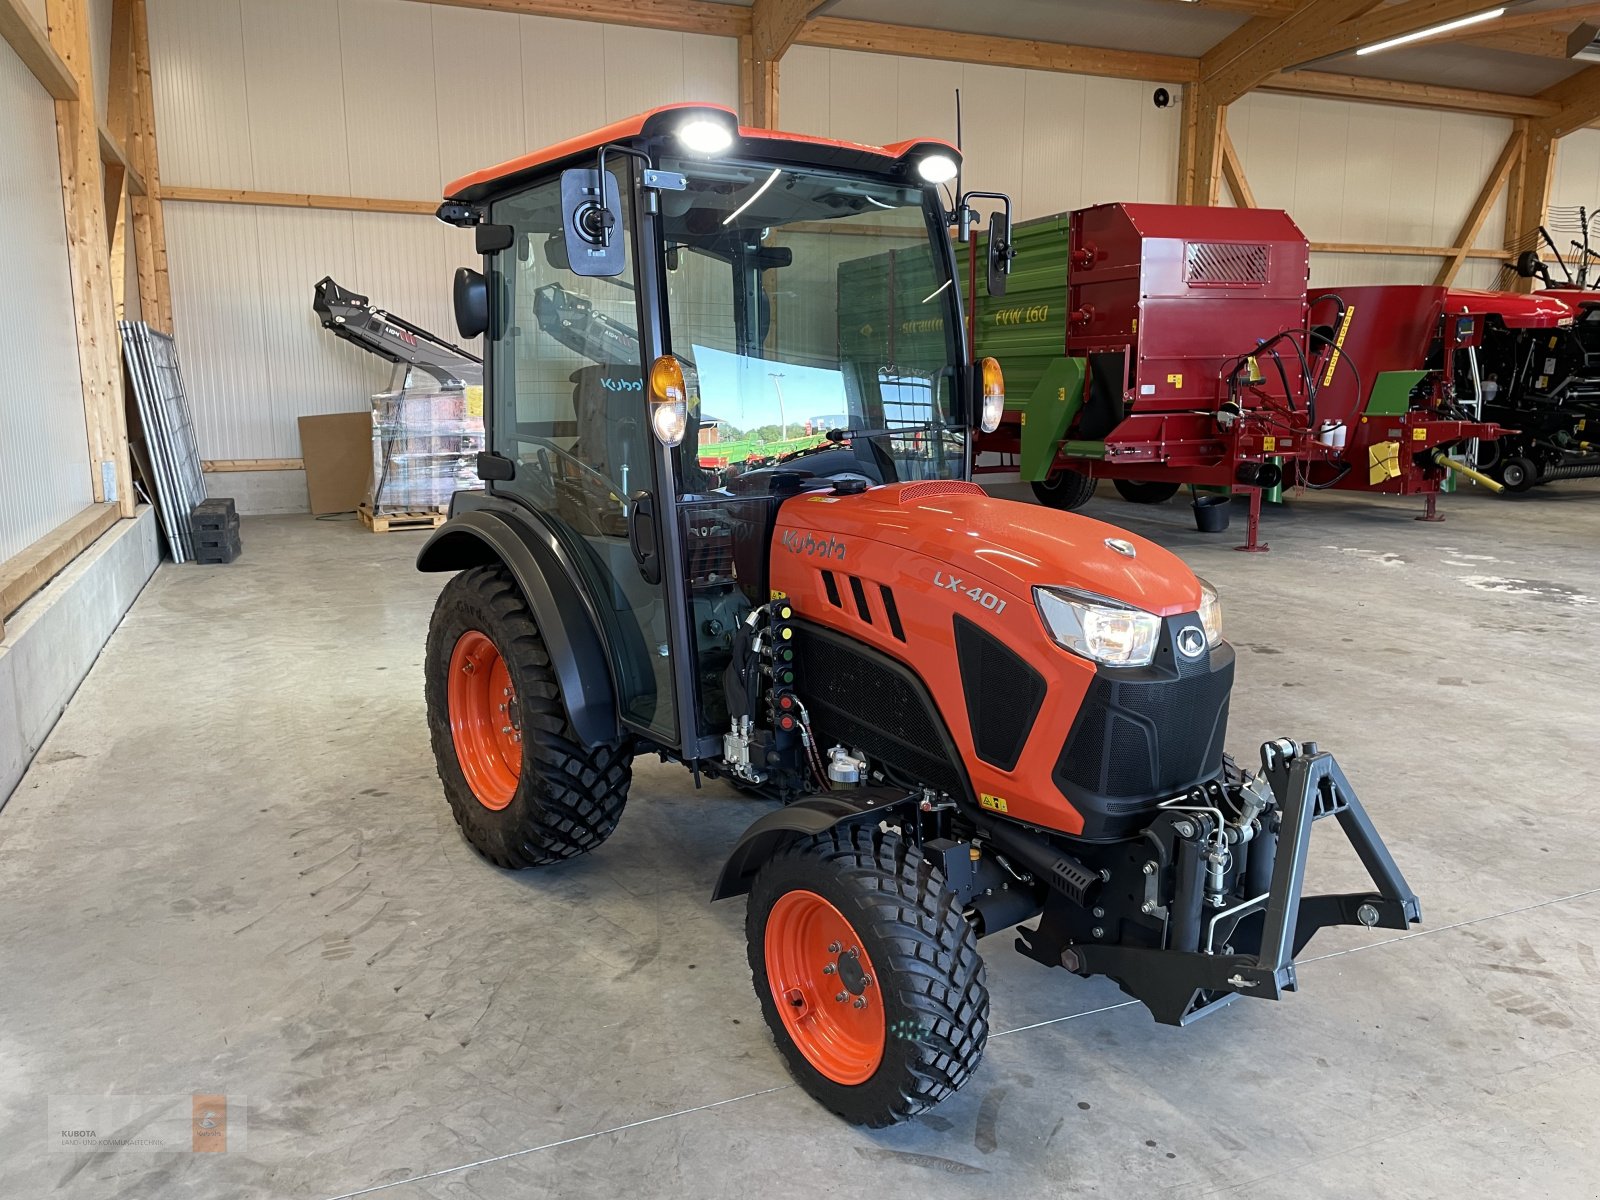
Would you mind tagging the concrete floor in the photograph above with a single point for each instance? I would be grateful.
(231, 870)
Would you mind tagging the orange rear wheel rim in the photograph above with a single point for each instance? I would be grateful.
(484, 723)
(825, 987)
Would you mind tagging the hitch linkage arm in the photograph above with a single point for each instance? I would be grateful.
(1181, 985)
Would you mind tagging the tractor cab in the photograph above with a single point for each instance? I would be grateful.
(728, 520)
(686, 322)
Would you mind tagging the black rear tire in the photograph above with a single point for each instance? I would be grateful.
(568, 797)
(930, 976)
(1065, 489)
(1139, 492)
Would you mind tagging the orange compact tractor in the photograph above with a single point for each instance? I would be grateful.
(975, 712)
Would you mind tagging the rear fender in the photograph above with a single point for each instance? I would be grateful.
(484, 536)
(802, 819)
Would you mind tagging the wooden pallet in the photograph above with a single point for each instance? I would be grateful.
(425, 518)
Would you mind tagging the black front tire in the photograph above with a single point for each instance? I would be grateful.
(1065, 489)
(1519, 474)
(1140, 492)
(930, 976)
(569, 797)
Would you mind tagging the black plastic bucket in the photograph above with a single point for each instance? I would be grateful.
(1211, 513)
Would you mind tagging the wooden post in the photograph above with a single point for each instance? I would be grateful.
(1200, 148)
(758, 86)
(149, 220)
(89, 260)
(1532, 194)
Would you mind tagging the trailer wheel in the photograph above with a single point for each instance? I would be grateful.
(1519, 474)
(868, 974)
(522, 787)
(1065, 489)
(1138, 492)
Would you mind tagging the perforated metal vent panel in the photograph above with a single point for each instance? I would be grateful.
(1225, 264)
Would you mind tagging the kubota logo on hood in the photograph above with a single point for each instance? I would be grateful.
(798, 543)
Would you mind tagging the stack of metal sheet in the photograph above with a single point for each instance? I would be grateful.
(174, 453)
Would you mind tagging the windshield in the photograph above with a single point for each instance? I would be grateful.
(819, 317)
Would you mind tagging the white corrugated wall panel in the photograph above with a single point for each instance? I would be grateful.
(1577, 177)
(44, 451)
(100, 52)
(1053, 141)
(477, 63)
(1352, 172)
(198, 82)
(391, 107)
(294, 77)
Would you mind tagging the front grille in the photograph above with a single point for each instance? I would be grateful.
(1002, 691)
(864, 699)
(1225, 264)
(1142, 736)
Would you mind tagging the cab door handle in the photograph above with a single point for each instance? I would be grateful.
(643, 537)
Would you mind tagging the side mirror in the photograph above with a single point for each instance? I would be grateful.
(590, 223)
(491, 239)
(999, 252)
(471, 294)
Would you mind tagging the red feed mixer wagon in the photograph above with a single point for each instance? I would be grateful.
(1420, 387)
(1185, 350)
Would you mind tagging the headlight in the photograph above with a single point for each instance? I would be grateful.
(1210, 613)
(1098, 629)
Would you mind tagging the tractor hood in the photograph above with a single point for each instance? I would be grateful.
(1006, 543)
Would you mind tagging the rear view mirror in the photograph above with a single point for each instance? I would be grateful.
(999, 252)
(471, 294)
(590, 224)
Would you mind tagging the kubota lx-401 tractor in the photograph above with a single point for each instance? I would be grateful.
(975, 712)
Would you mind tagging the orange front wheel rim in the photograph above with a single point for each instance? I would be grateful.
(825, 987)
(484, 723)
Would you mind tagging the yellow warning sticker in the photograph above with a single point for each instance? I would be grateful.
(475, 402)
(1419, 435)
(1175, 380)
(777, 595)
(992, 803)
(1269, 444)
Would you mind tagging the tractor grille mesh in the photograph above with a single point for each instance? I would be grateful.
(861, 700)
(1003, 694)
(1225, 264)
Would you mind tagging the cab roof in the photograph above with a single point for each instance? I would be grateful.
(662, 121)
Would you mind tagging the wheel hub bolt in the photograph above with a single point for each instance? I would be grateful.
(861, 1001)
(829, 969)
(840, 997)
(866, 981)
(833, 947)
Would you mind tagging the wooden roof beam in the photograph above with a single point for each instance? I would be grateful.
(912, 42)
(32, 44)
(679, 16)
(774, 24)
(1577, 100)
